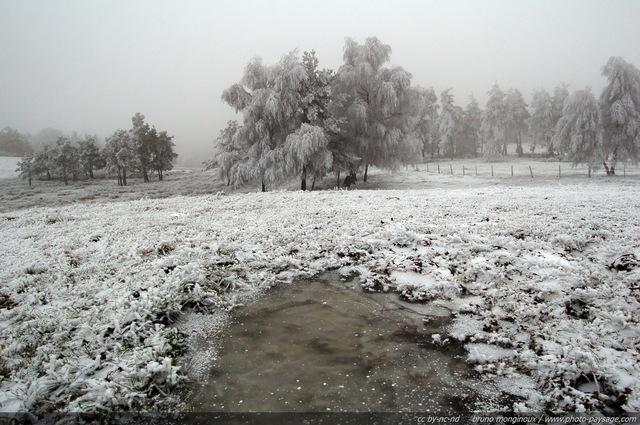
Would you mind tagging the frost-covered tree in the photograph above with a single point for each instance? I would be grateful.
(230, 151)
(270, 100)
(43, 161)
(308, 150)
(579, 132)
(560, 93)
(620, 106)
(377, 103)
(447, 123)
(65, 158)
(90, 157)
(427, 116)
(469, 135)
(517, 116)
(541, 122)
(162, 153)
(26, 167)
(120, 155)
(142, 143)
(494, 123)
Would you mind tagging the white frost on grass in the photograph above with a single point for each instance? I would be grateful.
(486, 353)
(89, 290)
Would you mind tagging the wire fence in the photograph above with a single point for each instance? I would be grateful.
(533, 170)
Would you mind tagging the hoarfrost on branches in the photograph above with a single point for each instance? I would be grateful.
(579, 131)
(620, 105)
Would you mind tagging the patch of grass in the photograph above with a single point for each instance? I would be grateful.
(34, 270)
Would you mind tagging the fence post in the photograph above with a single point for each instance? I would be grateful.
(589, 171)
(531, 171)
(451, 169)
(476, 170)
(512, 171)
(463, 170)
(438, 168)
(492, 171)
(427, 167)
(624, 169)
(559, 172)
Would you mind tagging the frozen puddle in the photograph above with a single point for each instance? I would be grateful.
(326, 346)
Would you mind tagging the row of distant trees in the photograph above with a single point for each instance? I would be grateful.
(14, 143)
(301, 121)
(140, 150)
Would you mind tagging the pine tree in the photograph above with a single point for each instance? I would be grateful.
(517, 116)
(427, 117)
(308, 150)
(447, 123)
(120, 155)
(494, 123)
(65, 158)
(142, 144)
(162, 155)
(541, 121)
(43, 161)
(579, 132)
(470, 128)
(560, 93)
(89, 155)
(620, 106)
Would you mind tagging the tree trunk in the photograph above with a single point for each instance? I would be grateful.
(611, 171)
(519, 148)
(303, 184)
(29, 179)
(338, 179)
(533, 145)
(124, 176)
(264, 188)
(228, 181)
(313, 184)
(366, 172)
(145, 174)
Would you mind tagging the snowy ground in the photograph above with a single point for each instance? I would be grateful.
(8, 167)
(17, 194)
(89, 289)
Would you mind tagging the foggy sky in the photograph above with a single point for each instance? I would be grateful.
(88, 66)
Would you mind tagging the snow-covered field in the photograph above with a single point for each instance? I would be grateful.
(8, 167)
(89, 290)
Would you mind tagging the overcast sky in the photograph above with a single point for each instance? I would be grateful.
(88, 66)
